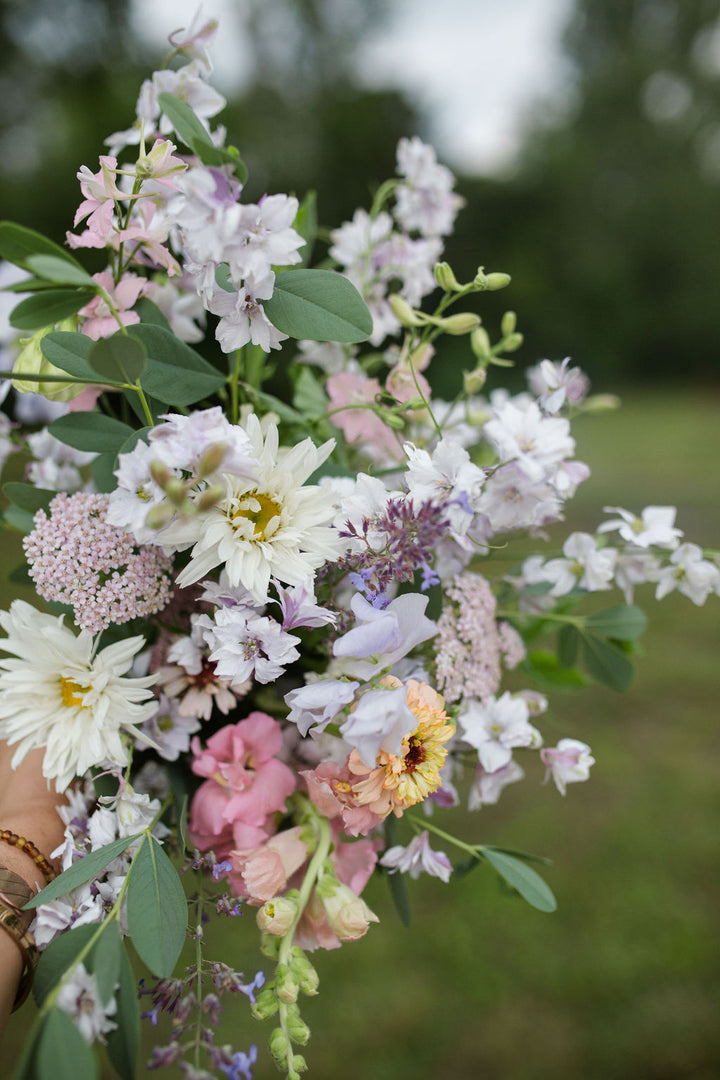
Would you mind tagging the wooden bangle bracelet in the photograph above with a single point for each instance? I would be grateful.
(41, 861)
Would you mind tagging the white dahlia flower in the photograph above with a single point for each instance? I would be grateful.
(270, 526)
(59, 695)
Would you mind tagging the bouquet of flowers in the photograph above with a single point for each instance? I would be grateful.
(279, 597)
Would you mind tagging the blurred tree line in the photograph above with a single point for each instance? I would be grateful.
(609, 223)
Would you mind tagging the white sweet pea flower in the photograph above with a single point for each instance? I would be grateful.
(80, 998)
(495, 727)
(690, 574)
(654, 527)
(568, 762)
(380, 720)
(418, 857)
(585, 566)
(487, 787)
(382, 635)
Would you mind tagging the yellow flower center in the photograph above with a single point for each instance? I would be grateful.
(72, 694)
(261, 511)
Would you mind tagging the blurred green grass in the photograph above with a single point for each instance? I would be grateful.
(622, 981)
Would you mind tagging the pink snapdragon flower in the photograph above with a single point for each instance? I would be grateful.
(101, 322)
(245, 785)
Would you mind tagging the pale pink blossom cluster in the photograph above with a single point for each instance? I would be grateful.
(471, 646)
(77, 558)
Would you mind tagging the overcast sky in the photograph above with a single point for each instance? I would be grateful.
(475, 66)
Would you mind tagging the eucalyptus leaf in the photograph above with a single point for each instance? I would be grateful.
(568, 645)
(626, 622)
(606, 663)
(175, 374)
(123, 1042)
(156, 909)
(60, 271)
(120, 357)
(48, 307)
(309, 397)
(58, 957)
(547, 669)
(70, 352)
(28, 497)
(88, 868)
(523, 879)
(105, 961)
(102, 470)
(19, 519)
(90, 431)
(321, 305)
(191, 130)
(63, 1053)
(18, 244)
(151, 313)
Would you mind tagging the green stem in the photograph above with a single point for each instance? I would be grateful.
(198, 995)
(572, 620)
(421, 826)
(143, 401)
(234, 379)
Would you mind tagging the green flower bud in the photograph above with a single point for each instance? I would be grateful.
(473, 381)
(480, 280)
(160, 473)
(299, 1064)
(508, 324)
(176, 491)
(270, 946)
(403, 312)
(298, 1030)
(446, 278)
(276, 916)
(497, 281)
(463, 322)
(211, 460)
(302, 969)
(480, 343)
(266, 1004)
(210, 497)
(286, 985)
(159, 516)
(279, 1047)
(394, 421)
(601, 403)
(31, 361)
(513, 342)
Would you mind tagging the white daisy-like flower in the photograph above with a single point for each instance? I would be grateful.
(271, 526)
(56, 693)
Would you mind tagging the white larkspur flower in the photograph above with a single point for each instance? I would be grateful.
(269, 526)
(55, 693)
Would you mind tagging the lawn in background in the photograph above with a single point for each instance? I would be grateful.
(622, 981)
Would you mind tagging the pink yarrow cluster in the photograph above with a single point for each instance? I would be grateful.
(471, 645)
(77, 558)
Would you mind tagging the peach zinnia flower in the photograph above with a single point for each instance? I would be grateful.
(401, 780)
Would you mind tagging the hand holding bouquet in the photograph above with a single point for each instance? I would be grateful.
(280, 596)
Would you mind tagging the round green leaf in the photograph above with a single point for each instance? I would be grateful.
(624, 622)
(90, 431)
(60, 271)
(120, 357)
(320, 305)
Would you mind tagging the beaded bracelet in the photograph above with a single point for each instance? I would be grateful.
(27, 846)
(14, 893)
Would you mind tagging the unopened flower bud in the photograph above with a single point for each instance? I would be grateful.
(159, 516)
(270, 946)
(403, 312)
(497, 281)
(266, 1004)
(286, 985)
(210, 497)
(298, 1030)
(446, 278)
(32, 361)
(509, 322)
(279, 1047)
(304, 972)
(473, 381)
(480, 279)
(601, 403)
(276, 916)
(480, 343)
(513, 342)
(299, 1064)
(160, 473)
(211, 460)
(176, 491)
(348, 915)
(464, 322)
(421, 356)
(394, 421)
